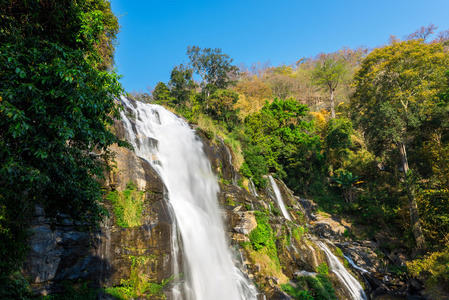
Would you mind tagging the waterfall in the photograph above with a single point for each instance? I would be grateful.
(278, 197)
(352, 263)
(174, 151)
(252, 188)
(293, 198)
(352, 285)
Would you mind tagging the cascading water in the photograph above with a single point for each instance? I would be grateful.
(279, 199)
(293, 198)
(252, 188)
(172, 148)
(352, 285)
(352, 263)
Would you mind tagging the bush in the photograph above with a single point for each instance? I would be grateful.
(433, 269)
(128, 205)
(296, 293)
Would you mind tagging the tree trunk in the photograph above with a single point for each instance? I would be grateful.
(413, 206)
(332, 102)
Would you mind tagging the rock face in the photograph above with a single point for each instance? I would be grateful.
(105, 256)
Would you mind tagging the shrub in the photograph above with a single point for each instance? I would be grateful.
(433, 268)
(127, 205)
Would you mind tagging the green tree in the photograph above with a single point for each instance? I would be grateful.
(56, 110)
(214, 67)
(162, 94)
(329, 70)
(396, 92)
(181, 84)
(220, 106)
(280, 140)
(338, 141)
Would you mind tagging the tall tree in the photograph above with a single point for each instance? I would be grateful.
(181, 84)
(280, 140)
(56, 110)
(329, 70)
(161, 94)
(396, 91)
(214, 67)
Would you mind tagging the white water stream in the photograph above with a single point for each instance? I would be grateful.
(279, 199)
(252, 188)
(172, 148)
(352, 285)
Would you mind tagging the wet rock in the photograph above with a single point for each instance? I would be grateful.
(380, 291)
(70, 251)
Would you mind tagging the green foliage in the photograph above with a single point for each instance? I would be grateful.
(128, 205)
(434, 211)
(56, 110)
(298, 233)
(391, 99)
(274, 210)
(346, 182)
(181, 85)
(214, 67)
(138, 285)
(319, 286)
(262, 235)
(345, 179)
(162, 95)
(329, 69)
(14, 287)
(279, 139)
(296, 293)
(220, 106)
(323, 268)
(338, 141)
(433, 269)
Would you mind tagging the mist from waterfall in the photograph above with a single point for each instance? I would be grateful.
(172, 148)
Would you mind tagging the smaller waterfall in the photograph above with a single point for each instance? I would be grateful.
(252, 188)
(352, 263)
(352, 285)
(279, 199)
(293, 197)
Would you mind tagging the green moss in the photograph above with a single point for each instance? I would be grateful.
(138, 285)
(263, 238)
(262, 235)
(128, 205)
(298, 233)
(323, 268)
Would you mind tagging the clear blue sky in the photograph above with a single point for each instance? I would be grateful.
(155, 33)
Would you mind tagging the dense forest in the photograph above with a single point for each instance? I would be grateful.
(363, 132)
